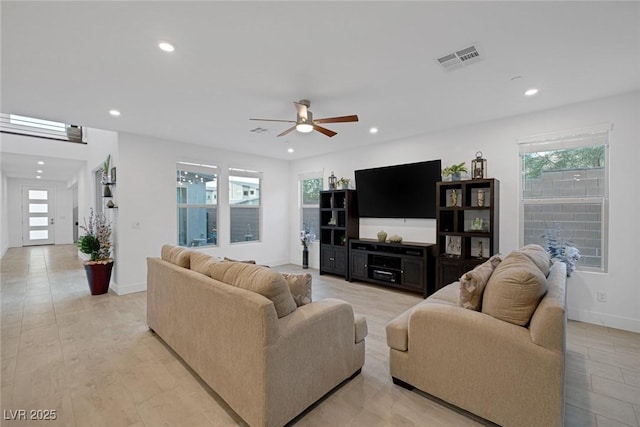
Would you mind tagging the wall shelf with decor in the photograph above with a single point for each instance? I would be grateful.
(338, 224)
(467, 226)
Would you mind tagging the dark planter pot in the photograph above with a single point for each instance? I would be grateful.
(98, 276)
(305, 258)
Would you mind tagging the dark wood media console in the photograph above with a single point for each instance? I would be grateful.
(408, 266)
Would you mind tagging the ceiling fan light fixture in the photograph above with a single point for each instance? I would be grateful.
(304, 127)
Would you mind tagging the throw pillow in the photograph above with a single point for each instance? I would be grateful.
(539, 256)
(472, 283)
(249, 261)
(514, 289)
(201, 262)
(262, 280)
(300, 287)
(176, 255)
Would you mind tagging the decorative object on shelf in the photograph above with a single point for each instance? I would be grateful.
(480, 197)
(479, 167)
(382, 236)
(455, 171)
(477, 224)
(395, 239)
(306, 238)
(480, 249)
(113, 174)
(343, 183)
(110, 204)
(454, 246)
(332, 221)
(107, 191)
(332, 181)
(453, 197)
(106, 169)
(558, 248)
(97, 244)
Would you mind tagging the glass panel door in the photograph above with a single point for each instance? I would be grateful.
(38, 217)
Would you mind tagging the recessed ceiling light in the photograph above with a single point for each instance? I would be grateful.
(39, 171)
(373, 130)
(167, 47)
(38, 177)
(40, 162)
(114, 113)
(290, 150)
(531, 92)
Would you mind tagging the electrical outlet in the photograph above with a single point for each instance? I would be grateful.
(602, 296)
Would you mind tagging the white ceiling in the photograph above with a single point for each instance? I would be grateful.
(73, 61)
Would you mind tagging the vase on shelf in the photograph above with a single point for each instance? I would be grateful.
(305, 258)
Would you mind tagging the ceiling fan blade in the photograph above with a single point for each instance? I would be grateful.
(326, 131)
(292, 128)
(341, 119)
(302, 110)
(275, 120)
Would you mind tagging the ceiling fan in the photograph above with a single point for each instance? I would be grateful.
(305, 123)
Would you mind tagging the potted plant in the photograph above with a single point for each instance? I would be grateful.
(97, 244)
(343, 183)
(454, 171)
(306, 238)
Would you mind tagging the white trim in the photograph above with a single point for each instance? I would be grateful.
(608, 320)
(128, 289)
(558, 136)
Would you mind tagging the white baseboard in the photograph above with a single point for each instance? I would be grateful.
(602, 319)
(128, 289)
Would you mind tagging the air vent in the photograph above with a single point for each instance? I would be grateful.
(460, 58)
(258, 130)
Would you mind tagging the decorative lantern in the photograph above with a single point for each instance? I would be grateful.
(332, 181)
(479, 167)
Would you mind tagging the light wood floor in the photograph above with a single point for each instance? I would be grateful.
(93, 360)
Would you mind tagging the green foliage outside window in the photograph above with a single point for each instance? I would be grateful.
(311, 191)
(570, 158)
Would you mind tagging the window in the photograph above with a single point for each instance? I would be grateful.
(564, 190)
(23, 125)
(310, 187)
(244, 205)
(197, 200)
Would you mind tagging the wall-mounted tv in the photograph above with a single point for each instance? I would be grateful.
(400, 191)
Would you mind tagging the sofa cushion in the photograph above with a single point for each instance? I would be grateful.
(360, 327)
(538, 256)
(300, 287)
(472, 283)
(262, 280)
(201, 262)
(449, 294)
(176, 255)
(514, 289)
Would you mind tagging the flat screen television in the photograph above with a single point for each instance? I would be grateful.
(400, 191)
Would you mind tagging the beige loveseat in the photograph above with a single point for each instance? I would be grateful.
(267, 357)
(502, 357)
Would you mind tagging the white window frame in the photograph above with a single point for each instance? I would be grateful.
(246, 173)
(205, 169)
(583, 137)
(301, 178)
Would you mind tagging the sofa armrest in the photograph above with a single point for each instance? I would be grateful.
(467, 358)
(360, 327)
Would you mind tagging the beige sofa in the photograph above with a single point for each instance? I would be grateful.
(503, 359)
(267, 359)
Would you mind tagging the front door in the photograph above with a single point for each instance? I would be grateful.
(38, 221)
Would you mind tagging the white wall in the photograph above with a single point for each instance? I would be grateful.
(497, 141)
(146, 195)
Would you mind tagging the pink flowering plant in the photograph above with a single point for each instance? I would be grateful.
(97, 241)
